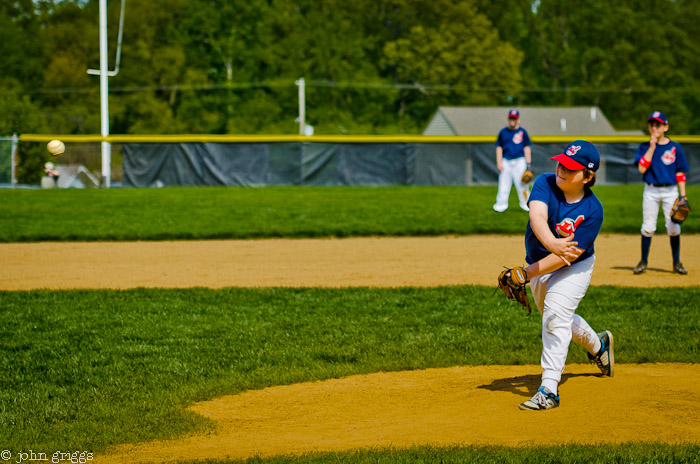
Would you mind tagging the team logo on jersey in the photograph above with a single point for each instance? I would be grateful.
(572, 150)
(518, 137)
(669, 156)
(568, 226)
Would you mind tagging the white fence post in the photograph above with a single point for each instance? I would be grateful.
(302, 105)
(13, 157)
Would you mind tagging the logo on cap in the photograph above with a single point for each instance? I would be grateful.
(659, 116)
(572, 150)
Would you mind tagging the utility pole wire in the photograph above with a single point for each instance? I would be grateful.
(355, 85)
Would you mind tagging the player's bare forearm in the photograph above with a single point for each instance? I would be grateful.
(528, 154)
(549, 263)
(499, 158)
(539, 212)
(564, 248)
(645, 162)
(681, 188)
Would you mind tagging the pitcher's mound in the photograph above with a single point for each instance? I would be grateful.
(452, 406)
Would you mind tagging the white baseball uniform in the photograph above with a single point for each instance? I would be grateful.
(558, 294)
(513, 143)
(661, 185)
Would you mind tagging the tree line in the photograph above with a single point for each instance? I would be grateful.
(371, 66)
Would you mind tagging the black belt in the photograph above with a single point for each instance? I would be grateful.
(660, 185)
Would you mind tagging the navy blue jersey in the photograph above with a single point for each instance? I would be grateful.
(513, 142)
(667, 161)
(583, 219)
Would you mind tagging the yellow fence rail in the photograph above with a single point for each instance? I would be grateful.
(203, 138)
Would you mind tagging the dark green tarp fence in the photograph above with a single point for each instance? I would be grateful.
(317, 163)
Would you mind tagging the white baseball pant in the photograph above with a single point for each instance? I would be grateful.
(652, 199)
(511, 174)
(557, 295)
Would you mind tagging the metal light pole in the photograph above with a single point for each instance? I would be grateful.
(106, 147)
(104, 98)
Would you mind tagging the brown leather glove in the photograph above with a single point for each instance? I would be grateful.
(513, 283)
(680, 210)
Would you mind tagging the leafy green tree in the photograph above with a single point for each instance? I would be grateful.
(69, 96)
(20, 115)
(335, 45)
(453, 45)
(145, 93)
(620, 55)
(229, 66)
(21, 47)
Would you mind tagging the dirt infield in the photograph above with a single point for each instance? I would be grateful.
(459, 405)
(377, 262)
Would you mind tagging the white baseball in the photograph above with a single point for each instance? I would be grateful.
(56, 147)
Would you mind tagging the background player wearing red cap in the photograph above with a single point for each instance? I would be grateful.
(513, 157)
(663, 164)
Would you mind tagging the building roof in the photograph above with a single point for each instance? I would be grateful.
(479, 120)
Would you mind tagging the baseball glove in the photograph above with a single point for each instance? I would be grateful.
(513, 283)
(680, 210)
(527, 176)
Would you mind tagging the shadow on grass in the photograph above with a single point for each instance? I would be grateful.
(526, 385)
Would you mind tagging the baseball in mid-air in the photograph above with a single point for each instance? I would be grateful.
(56, 147)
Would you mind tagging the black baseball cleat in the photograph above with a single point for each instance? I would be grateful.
(641, 267)
(679, 269)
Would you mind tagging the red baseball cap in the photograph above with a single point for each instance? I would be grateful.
(514, 114)
(579, 155)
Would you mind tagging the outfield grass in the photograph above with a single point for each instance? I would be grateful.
(241, 212)
(85, 369)
(603, 454)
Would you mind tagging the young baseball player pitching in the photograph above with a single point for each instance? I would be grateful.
(663, 164)
(513, 157)
(565, 219)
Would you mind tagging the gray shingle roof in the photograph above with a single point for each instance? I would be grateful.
(581, 120)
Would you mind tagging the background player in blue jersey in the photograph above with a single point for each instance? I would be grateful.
(513, 157)
(562, 206)
(663, 164)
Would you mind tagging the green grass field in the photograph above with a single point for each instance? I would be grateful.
(239, 212)
(85, 369)
(601, 454)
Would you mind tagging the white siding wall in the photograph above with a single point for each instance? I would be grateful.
(438, 126)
